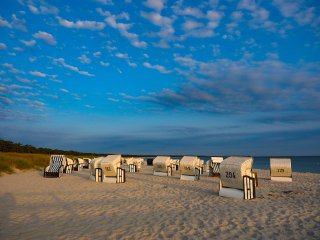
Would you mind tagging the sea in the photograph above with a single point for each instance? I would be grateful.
(298, 163)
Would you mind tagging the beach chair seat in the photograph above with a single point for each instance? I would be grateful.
(237, 179)
(133, 167)
(280, 169)
(56, 166)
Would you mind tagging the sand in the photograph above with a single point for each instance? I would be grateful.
(152, 207)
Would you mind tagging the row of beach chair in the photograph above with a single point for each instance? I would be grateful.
(236, 176)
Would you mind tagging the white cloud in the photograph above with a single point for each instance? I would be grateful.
(131, 64)
(122, 55)
(214, 18)
(97, 54)
(62, 62)
(11, 68)
(157, 5)
(19, 24)
(84, 59)
(88, 106)
(190, 25)
(166, 32)
(38, 74)
(187, 11)
(105, 64)
(16, 23)
(24, 80)
(30, 43)
(159, 68)
(43, 9)
(32, 59)
(126, 57)
(47, 37)
(90, 25)
(3, 46)
(123, 28)
(18, 49)
(4, 23)
(64, 90)
(113, 99)
(105, 2)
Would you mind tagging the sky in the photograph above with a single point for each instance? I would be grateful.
(162, 77)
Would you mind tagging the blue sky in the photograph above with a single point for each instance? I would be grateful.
(162, 77)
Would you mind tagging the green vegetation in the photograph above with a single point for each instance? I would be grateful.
(11, 161)
(17, 156)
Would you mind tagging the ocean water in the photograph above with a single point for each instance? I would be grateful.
(299, 164)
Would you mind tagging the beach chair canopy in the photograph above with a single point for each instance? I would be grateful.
(69, 161)
(109, 165)
(280, 167)
(161, 163)
(216, 159)
(188, 165)
(232, 170)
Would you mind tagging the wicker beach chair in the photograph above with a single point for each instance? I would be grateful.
(190, 168)
(280, 169)
(56, 166)
(162, 166)
(86, 163)
(78, 164)
(236, 178)
(107, 169)
(69, 166)
(216, 161)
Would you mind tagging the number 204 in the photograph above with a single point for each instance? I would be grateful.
(230, 175)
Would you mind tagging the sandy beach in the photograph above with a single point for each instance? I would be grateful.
(152, 207)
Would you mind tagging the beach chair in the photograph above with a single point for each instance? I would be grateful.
(56, 166)
(93, 166)
(86, 163)
(236, 178)
(69, 166)
(78, 164)
(190, 168)
(175, 164)
(280, 169)
(132, 163)
(107, 169)
(216, 161)
(162, 166)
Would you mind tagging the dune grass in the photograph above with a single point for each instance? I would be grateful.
(11, 161)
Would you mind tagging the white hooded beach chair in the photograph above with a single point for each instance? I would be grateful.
(107, 169)
(78, 164)
(162, 166)
(69, 167)
(93, 165)
(280, 169)
(134, 163)
(236, 178)
(175, 164)
(190, 168)
(86, 162)
(56, 166)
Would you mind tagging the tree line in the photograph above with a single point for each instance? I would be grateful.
(9, 146)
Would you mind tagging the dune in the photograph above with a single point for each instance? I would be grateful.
(153, 207)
